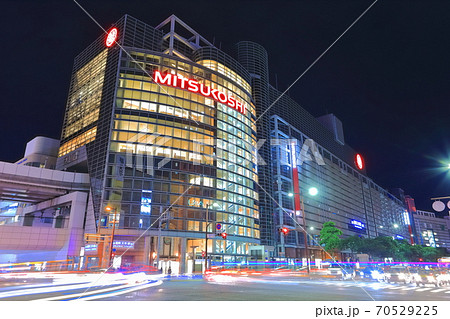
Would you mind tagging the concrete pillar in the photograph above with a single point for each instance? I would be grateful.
(147, 250)
(76, 219)
(183, 242)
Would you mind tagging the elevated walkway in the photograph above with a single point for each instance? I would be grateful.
(29, 184)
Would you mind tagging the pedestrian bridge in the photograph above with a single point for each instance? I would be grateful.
(29, 184)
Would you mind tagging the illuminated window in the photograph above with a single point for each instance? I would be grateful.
(77, 142)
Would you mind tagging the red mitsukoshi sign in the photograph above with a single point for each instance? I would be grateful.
(111, 37)
(197, 87)
(359, 161)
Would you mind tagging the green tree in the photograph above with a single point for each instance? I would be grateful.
(354, 243)
(430, 254)
(400, 250)
(404, 251)
(382, 247)
(330, 237)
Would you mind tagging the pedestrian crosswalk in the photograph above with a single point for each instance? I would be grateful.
(383, 285)
(438, 290)
(392, 288)
(423, 289)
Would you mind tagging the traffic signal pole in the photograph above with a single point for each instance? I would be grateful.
(298, 200)
(112, 238)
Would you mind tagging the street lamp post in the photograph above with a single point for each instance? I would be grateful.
(313, 191)
(305, 236)
(304, 229)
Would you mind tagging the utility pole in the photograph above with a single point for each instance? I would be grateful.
(305, 234)
(108, 209)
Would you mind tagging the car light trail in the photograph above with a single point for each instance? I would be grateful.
(69, 282)
(104, 293)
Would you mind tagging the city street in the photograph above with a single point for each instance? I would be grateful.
(288, 157)
(222, 288)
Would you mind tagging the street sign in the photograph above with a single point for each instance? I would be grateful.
(218, 226)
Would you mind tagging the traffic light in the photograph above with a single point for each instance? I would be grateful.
(223, 235)
(284, 231)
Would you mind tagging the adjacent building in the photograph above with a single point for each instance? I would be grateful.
(432, 231)
(40, 152)
(43, 212)
(310, 175)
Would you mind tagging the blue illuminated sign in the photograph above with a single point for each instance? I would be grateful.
(90, 247)
(123, 244)
(146, 202)
(357, 224)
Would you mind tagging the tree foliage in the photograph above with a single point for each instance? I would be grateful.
(382, 247)
(330, 236)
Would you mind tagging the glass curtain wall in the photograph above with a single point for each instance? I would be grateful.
(174, 148)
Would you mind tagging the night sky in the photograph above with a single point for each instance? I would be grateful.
(387, 78)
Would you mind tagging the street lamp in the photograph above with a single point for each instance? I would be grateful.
(395, 226)
(313, 191)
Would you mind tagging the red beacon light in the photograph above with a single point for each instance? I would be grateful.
(284, 231)
(111, 37)
(359, 161)
(224, 235)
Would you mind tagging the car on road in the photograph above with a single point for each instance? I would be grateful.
(371, 273)
(340, 271)
(434, 277)
(397, 274)
(443, 276)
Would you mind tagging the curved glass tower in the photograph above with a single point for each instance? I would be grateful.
(178, 147)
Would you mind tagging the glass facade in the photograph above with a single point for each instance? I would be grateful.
(168, 161)
(207, 149)
(351, 200)
(84, 105)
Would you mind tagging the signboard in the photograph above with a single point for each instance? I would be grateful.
(73, 156)
(177, 81)
(123, 244)
(111, 37)
(90, 248)
(198, 202)
(357, 226)
(359, 161)
(120, 167)
(146, 202)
